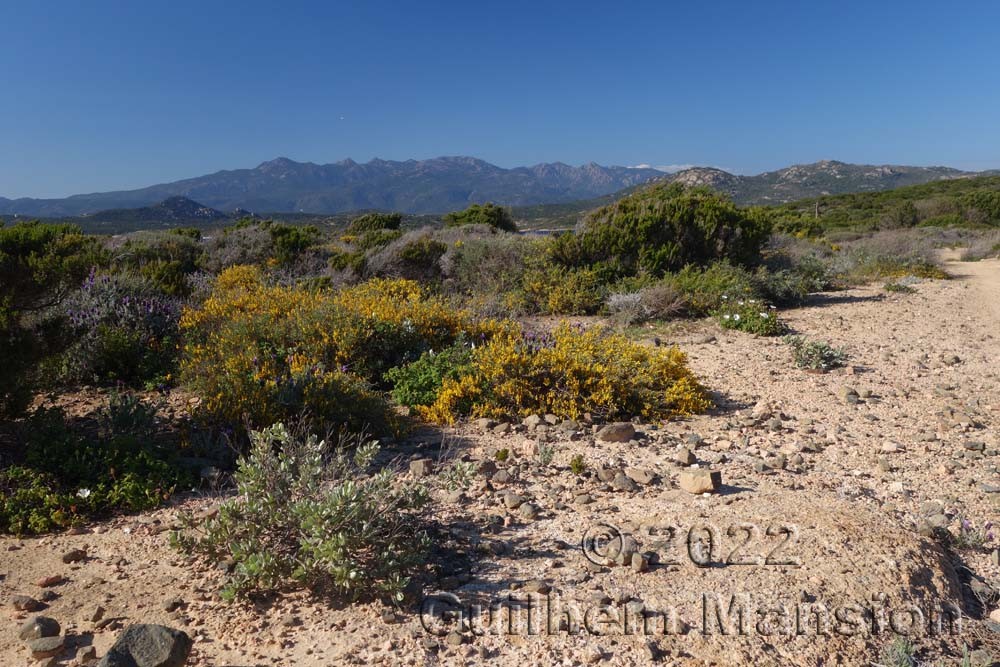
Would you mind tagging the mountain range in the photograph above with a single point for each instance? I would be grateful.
(449, 183)
(414, 186)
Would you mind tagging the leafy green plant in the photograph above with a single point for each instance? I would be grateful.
(502, 454)
(577, 465)
(751, 316)
(370, 222)
(69, 474)
(665, 227)
(490, 214)
(898, 288)
(458, 475)
(418, 382)
(815, 355)
(973, 538)
(313, 516)
(546, 452)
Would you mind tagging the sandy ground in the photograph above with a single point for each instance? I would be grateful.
(826, 507)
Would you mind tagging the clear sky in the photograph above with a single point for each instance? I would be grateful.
(109, 95)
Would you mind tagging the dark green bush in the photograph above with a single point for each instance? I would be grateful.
(39, 265)
(490, 214)
(72, 473)
(419, 382)
(371, 222)
(664, 228)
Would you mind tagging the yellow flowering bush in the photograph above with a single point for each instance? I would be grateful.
(567, 373)
(269, 352)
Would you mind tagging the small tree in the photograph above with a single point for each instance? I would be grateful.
(490, 214)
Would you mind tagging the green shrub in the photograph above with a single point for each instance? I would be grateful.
(750, 316)
(305, 516)
(370, 222)
(815, 355)
(376, 238)
(120, 329)
(39, 265)
(414, 256)
(418, 382)
(291, 241)
(705, 290)
(899, 288)
(664, 228)
(490, 214)
(69, 475)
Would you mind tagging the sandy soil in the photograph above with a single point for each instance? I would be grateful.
(827, 502)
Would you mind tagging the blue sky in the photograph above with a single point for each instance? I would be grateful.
(109, 95)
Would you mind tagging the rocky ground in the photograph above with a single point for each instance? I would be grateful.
(824, 525)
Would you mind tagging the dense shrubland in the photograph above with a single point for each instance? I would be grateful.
(370, 326)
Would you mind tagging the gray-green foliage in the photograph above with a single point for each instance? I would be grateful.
(309, 515)
(815, 355)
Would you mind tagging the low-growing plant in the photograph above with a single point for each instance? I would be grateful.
(815, 355)
(546, 453)
(577, 465)
(418, 382)
(900, 653)
(567, 373)
(898, 288)
(308, 515)
(482, 214)
(458, 475)
(972, 537)
(502, 455)
(750, 316)
(69, 474)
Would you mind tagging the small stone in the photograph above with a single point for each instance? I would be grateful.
(593, 654)
(430, 644)
(512, 500)
(700, 481)
(501, 477)
(48, 582)
(85, 654)
(639, 563)
(74, 556)
(421, 467)
(26, 603)
(46, 647)
(995, 558)
(617, 432)
(502, 429)
(995, 615)
(98, 614)
(623, 483)
(389, 617)
(583, 499)
(173, 604)
(685, 457)
(640, 475)
(693, 439)
(484, 424)
(528, 511)
(539, 586)
(149, 645)
(38, 627)
(532, 421)
(455, 638)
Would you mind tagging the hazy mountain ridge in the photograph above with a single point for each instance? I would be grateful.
(412, 186)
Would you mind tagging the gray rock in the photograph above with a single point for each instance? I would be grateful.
(74, 556)
(512, 500)
(539, 586)
(38, 627)
(531, 421)
(617, 432)
(484, 424)
(26, 603)
(421, 467)
(528, 511)
(623, 483)
(148, 646)
(46, 647)
(640, 475)
(685, 457)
